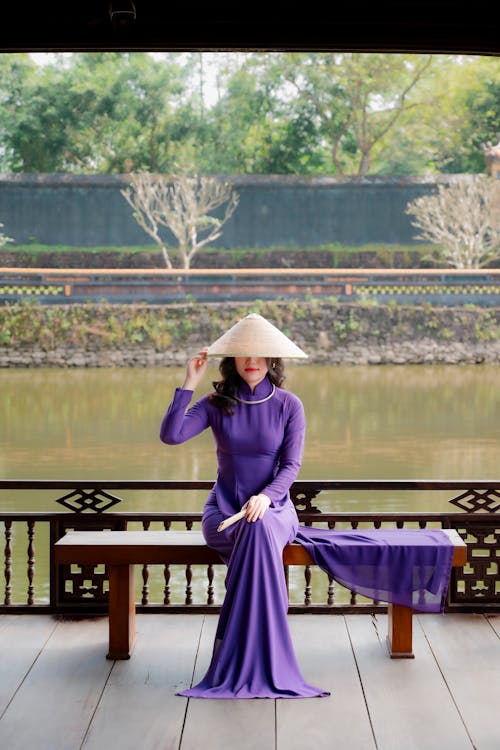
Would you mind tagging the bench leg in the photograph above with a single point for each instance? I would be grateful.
(121, 611)
(399, 636)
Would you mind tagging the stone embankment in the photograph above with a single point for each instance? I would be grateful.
(166, 335)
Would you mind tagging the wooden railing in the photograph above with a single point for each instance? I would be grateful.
(157, 286)
(33, 583)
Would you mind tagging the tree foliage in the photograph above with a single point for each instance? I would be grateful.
(102, 112)
(276, 112)
(357, 99)
(467, 117)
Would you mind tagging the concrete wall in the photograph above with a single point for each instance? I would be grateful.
(289, 211)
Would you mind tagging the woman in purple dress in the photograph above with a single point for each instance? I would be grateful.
(258, 429)
(259, 434)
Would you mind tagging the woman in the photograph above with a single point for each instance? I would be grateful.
(259, 433)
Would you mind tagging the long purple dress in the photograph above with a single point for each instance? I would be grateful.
(259, 449)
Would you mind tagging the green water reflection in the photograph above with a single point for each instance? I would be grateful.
(387, 422)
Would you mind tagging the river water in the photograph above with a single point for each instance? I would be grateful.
(365, 422)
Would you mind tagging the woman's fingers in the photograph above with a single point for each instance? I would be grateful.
(200, 359)
(196, 369)
(256, 507)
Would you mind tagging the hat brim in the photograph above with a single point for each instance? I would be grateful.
(254, 336)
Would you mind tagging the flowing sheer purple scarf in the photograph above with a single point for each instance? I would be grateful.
(400, 566)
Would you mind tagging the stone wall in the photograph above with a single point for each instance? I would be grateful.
(166, 335)
(273, 210)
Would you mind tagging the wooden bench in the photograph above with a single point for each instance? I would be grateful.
(121, 550)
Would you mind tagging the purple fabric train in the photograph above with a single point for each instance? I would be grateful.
(259, 450)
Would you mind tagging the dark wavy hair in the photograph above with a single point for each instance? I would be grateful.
(225, 389)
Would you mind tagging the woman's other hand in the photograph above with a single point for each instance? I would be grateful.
(195, 370)
(256, 507)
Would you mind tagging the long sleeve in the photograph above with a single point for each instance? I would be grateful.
(179, 425)
(290, 458)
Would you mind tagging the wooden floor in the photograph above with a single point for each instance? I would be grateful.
(58, 691)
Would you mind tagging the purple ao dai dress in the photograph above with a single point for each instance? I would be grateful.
(259, 450)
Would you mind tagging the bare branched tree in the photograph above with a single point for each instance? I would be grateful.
(181, 203)
(462, 219)
(3, 238)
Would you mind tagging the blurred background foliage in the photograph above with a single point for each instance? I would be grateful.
(248, 113)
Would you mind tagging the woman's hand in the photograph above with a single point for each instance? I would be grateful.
(195, 370)
(256, 507)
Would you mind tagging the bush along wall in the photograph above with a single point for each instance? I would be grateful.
(367, 256)
(166, 335)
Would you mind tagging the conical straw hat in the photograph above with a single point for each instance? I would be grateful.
(254, 336)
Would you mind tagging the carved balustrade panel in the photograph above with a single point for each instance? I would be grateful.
(83, 583)
(474, 501)
(87, 584)
(477, 583)
(95, 500)
(302, 499)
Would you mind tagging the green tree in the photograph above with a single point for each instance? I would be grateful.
(252, 128)
(238, 125)
(137, 113)
(358, 100)
(477, 99)
(281, 113)
(34, 117)
(100, 112)
(460, 117)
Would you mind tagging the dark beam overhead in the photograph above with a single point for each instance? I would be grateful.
(438, 26)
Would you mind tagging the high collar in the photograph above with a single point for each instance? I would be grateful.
(262, 390)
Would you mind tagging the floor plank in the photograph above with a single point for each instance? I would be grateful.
(494, 622)
(139, 708)
(324, 653)
(28, 634)
(408, 701)
(53, 706)
(59, 692)
(468, 652)
(222, 724)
